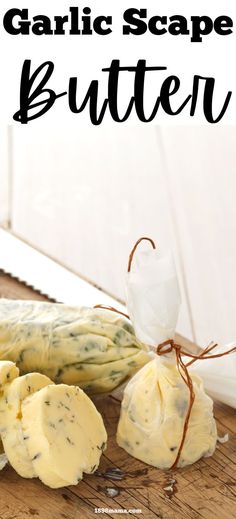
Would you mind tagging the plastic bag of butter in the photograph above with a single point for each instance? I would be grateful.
(93, 348)
(156, 425)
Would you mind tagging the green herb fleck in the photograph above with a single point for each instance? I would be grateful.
(69, 440)
(36, 456)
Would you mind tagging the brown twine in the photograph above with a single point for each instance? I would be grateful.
(129, 268)
(135, 247)
(203, 355)
(169, 346)
(162, 349)
(112, 309)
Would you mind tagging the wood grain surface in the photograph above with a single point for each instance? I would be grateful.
(206, 489)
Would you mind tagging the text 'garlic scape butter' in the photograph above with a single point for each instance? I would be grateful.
(94, 348)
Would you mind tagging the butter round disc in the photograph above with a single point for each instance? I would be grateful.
(66, 434)
(14, 441)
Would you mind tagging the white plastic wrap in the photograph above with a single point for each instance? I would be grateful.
(153, 296)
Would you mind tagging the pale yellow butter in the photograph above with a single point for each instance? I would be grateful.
(14, 441)
(94, 348)
(65, 434)
(153, 414)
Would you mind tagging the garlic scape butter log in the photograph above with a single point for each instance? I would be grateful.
(94, 348)
(153, 413)
(14, 441)
(65, 434)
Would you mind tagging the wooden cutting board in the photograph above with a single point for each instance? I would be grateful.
(206, 489)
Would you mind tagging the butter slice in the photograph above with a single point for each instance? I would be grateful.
(14, 441)
(65, 434)
(8, 372)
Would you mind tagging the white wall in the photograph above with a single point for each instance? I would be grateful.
(85, 197)
(201, 170)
